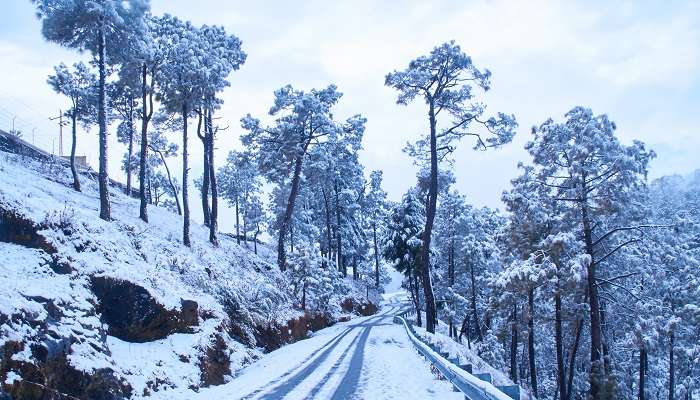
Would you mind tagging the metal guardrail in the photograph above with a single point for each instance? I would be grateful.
(454, 374)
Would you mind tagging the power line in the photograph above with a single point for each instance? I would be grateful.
(61, 124)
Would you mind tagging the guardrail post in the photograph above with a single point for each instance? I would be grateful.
(512, 391)
(486, 377)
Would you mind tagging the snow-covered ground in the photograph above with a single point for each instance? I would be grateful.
(47, 297)
(366, 358)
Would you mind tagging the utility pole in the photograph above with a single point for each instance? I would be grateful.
(61, 124)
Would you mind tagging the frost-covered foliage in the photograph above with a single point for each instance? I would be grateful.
(403, 242)
(317, 287)
(241, 185)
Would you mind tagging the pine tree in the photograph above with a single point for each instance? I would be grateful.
(585, 166)
(105, 28)
(80, 87)
(375, 209)
(440, 79)
(123, 103)
(303, 121)
(403, 242)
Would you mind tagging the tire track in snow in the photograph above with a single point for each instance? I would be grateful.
(285, 388)
(332, 343)
(348, 386)
(335, 367)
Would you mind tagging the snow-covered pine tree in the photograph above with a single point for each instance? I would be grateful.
(444, 79)
(105, 28)
(124, 95)
(403, 241)
(79, 85)
(375, 209)
(584, 166)
(181, 90)
(147, 56)
(448, 237)
(222, 54)
(239, 181)
(303, 121)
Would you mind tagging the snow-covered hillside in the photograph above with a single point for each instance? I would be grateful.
(96, 309)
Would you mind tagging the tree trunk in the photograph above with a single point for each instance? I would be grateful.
(531, 340)
(185, 171)
(131, 146)
(416, 296)
(376, 255)
(291, 237)
(671, 367)
(572, 358)
(74, 134)
(213, 217)
(642, 371)
(463, 328)
(339, 244)
(238, 231)
(604, 341)
(145, 119)
(255, 239)
(103, 176)
(514, 345)
(475, 313)
(245, 220)
(284, 227)
(329, 240)
(172, 185)
(597, 375)
(206, 210)
(303, 296)
(558, 340)
(430, 310)
(151, 193)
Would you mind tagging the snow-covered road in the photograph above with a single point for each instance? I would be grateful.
(366, 358)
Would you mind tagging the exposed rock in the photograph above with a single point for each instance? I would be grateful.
(133, 315)
(364, 309)
(15, 228)
(54, 378)
(34, 391)
(273, 336)
(189, 313)
(215, 363)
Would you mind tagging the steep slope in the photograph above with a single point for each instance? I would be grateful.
(106, 310)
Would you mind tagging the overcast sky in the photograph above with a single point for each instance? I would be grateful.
(637, 61)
